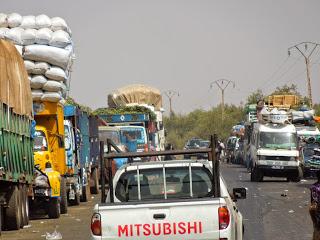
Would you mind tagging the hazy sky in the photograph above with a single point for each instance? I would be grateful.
(184, 45)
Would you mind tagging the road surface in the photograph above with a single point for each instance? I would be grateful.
(274, 209)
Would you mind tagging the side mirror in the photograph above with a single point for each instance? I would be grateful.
(239, 193)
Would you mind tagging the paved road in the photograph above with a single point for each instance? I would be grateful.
(74, 225)
(267, 214)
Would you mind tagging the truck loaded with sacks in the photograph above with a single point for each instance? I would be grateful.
(47, 50)
(16, 159)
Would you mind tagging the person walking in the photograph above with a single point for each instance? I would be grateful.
(314, 208)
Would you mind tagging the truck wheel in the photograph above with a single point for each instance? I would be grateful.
(76, 200)
(12, 214)
(54, 208)
(85, 193)
(256, 175)
(94, 189)
(63, 196)
(24, 206)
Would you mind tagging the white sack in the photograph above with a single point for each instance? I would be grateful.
(57, 23)
(29, 65)
(14, 35)
(36, 95)
(3, 32)
(40, 68)
(60, 39)
(56, 73)
(43, 36)
(43, 21)
(28, 22)
(14, 20)
(52, 86)
(3, 20)
(28, 36)
(51, 97)
(53, 55)
(37, 81)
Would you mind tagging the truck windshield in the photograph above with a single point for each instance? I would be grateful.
(111, 134)
(278, 140)
(175, 186)
(137, 134)
(40, 141)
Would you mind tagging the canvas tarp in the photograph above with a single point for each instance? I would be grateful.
(136, 93)
(14, 83)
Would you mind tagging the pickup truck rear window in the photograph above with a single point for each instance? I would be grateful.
(153, 185)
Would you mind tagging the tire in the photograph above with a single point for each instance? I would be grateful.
(54, 208)
(76, 200)
(256, 175)
(63, 196)
(12, 214)
(95, 178)
(85, 193)
(24, 206)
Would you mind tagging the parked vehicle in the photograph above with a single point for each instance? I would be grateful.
(179, 199)
(193, 143)
(50, 187)
(230, 148)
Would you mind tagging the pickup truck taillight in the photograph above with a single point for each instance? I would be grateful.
(96, 224)
(224, 217)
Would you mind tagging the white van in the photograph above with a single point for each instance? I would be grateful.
(274, 152)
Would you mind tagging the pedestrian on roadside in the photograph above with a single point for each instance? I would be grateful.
(314, 208)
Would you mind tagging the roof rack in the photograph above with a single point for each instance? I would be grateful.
(106, 161)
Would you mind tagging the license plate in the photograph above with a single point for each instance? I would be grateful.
(277, 167)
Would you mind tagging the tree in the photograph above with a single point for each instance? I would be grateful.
(255, 97)
(287, 90)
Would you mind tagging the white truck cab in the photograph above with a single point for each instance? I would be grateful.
(274, 151)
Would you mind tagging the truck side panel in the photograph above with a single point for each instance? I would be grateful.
(83, 125)
(16, 157)
(94, 140)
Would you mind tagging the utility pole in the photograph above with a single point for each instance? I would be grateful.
(222, 85)
(170, 94)
(307, 55)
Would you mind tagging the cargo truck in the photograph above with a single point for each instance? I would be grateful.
(86, 147)
(50, 189)
(16, 159)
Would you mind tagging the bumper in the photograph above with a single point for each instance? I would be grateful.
(278, 171)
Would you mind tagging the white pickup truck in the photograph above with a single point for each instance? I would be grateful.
(155, 200)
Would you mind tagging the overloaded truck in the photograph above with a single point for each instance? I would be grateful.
(78, 120)
(16, 159)
(50, 186)
(147, 97)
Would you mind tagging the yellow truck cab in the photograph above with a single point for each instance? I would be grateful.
(49, 157)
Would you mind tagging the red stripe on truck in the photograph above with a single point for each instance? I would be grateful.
(157, 229)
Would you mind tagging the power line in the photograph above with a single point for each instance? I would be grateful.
(170, 94)
(222, 85)
(275, 72)
(307, 56)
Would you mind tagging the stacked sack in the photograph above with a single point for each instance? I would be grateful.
(46, 47)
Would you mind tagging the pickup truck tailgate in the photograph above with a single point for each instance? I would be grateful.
(194, 219)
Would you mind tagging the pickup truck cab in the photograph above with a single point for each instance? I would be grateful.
(168, 200)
